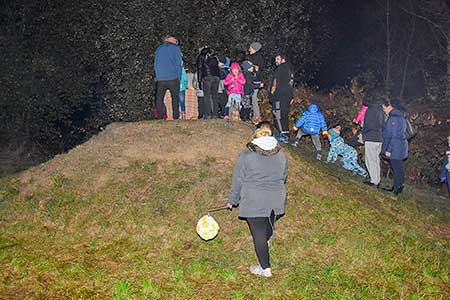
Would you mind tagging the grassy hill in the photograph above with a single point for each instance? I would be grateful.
(115, 219)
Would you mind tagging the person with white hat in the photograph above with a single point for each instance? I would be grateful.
(259, 189)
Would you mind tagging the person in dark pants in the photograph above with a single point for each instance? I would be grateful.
(395, 144)
(209, 76)
(257, 60)
(167, 65)
(224, 65)
(281, 92)
(259, 188)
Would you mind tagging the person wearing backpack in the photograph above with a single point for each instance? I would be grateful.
(224, 65)
(208, 73)
(395, 144)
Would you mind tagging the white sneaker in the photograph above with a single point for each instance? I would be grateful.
(258, 270)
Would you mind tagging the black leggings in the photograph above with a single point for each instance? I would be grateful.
(261, 229)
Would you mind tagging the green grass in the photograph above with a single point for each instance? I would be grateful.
(132, 235)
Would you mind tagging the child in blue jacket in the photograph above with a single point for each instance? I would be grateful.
(313, 122)
(349, 155)
(445, 170)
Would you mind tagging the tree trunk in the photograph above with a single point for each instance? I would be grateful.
(388, 49)
(408, 54)
(448, 70)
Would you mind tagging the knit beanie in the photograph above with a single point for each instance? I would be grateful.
(256, 46)
(246, 65)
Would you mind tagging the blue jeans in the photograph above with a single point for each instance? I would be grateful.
(183, 101)
(236, 98)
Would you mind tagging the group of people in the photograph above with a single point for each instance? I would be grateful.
(259, 177)
(221, 84)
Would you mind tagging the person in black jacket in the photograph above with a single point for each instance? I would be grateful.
(372, 134)
(209, 76)
(257, 60)
(280, 95)
(247, 70)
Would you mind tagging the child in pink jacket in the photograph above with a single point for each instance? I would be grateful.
(234, 82)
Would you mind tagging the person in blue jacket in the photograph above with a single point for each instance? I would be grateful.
(445, 170)
(395, 144)
(312, 122)
(349, 156)
(168, 66)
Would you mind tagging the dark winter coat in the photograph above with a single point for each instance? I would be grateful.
(209, 67)
(312, 120)
(281, 87)
(374, 121)
(258, 183)
(258, 60)
(394, 135)
(248, 87)
(168, 62)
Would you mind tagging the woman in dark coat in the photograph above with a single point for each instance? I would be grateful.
(208, 73)
(395, 144)
(258, 187)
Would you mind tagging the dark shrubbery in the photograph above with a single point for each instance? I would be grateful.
(68, 68)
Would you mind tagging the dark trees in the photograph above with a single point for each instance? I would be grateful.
(69, 67)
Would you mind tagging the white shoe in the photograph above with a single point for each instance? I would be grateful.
(258, 270)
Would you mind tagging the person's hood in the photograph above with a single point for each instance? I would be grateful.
(313, 108)
(375, 104)
(333, 134)
(265, 145)
(398, 112)
(235, 66)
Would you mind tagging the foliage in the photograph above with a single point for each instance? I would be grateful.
(115, 219)
(69, 68)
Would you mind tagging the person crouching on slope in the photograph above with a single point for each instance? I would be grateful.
(234, 82)
(313, 122)
(349, 155)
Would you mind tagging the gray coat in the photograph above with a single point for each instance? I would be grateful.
(258, 184)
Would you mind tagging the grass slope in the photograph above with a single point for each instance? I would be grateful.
(115, 219)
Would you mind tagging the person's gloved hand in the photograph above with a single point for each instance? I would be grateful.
(325, 134)
(443, 178)
(294, 129)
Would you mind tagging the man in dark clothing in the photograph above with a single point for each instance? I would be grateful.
(372, 134)
(167, 67)
(281, 92)
(257, 61)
